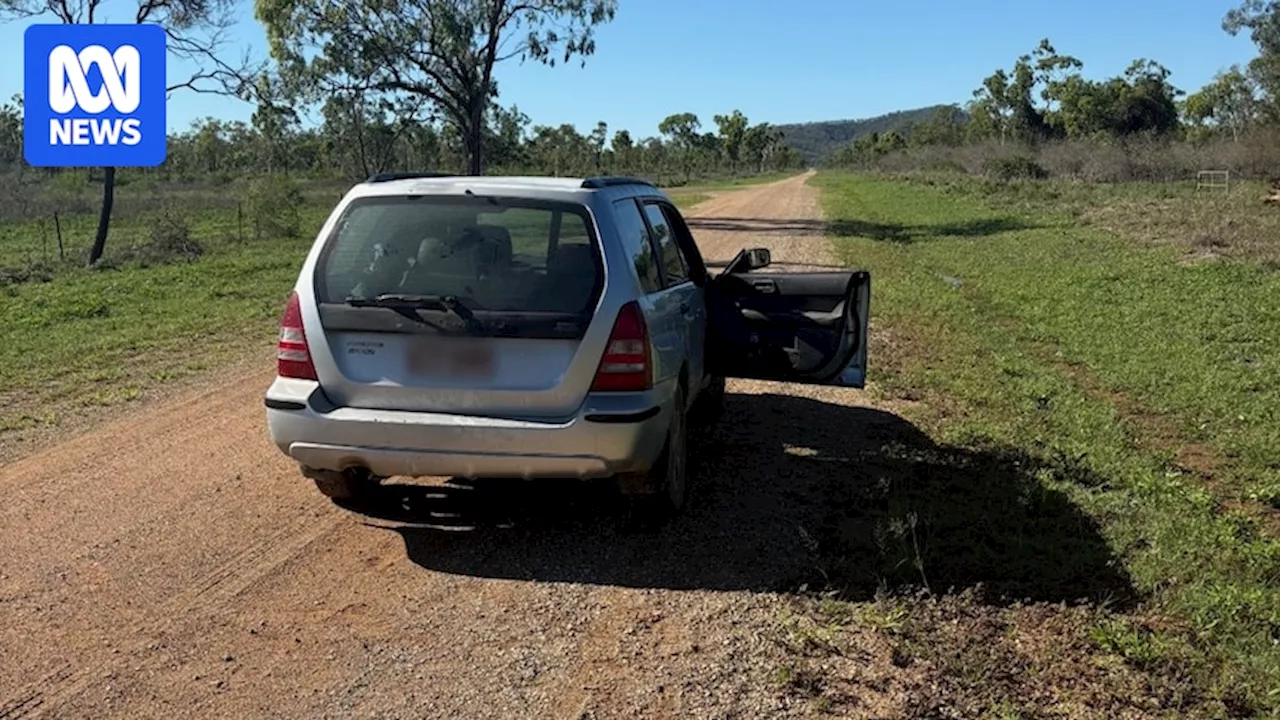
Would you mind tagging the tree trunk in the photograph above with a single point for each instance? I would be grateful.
(104, 218)
(473, 142)
(473, 128)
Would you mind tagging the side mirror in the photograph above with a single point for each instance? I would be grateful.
(748, 260)
(758, 258)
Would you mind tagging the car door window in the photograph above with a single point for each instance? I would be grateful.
(635, 240)
(696, 268)
(673, 265)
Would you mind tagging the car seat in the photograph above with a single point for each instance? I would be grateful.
(496, 252)
(570, 280)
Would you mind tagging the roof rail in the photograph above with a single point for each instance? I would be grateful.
(605, 181)
(389, 176)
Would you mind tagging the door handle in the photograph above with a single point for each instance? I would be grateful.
(684, 308)
(765, 286)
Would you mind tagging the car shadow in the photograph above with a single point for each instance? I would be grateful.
(900, 233)
(788, 492)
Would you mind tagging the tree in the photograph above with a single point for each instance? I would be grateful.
(623, 148)
(560, 150)
(1230, 101)
(1140, 101)
(361, 132)
(733, 131)
(504, 137)
(681, 130)
(11, 132)
(440, 51)
(1026, 122)
(944, 127)
(761, 142)
(598, 138)
(274, 122)
(15, 188)
(992, 105)
(1261, 18)
(197, 33)
(1148, 102)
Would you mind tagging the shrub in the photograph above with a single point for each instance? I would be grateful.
(168, 241)
(271, 207)
(1013, 167)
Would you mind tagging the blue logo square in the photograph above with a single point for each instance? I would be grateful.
(94, 95)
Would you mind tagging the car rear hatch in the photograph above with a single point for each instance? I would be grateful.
(459, 304)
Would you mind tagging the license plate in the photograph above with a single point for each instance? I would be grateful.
(464, 359)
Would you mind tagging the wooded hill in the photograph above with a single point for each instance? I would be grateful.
(816, 141)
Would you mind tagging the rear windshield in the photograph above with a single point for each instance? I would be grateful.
(492, 254)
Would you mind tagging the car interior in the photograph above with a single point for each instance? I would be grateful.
(478, 262)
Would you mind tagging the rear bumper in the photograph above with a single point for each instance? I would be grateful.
(609, 435)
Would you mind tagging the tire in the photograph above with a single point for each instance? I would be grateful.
(346, 485)
(710, 403)
(668, 481)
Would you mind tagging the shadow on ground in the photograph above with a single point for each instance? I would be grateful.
(887, 232)
(788, 491)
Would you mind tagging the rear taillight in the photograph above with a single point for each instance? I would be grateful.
(293, 359)
(628, 360)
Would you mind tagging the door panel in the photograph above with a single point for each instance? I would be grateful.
(687, 309)
(795, 327)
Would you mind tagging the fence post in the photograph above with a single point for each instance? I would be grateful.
(62, 257)
(240, 220)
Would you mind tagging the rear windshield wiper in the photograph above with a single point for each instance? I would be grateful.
(411, 301)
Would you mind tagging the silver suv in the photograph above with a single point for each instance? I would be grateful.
(534, 327)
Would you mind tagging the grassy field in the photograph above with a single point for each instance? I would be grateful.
(1064, 326)
(90, 339)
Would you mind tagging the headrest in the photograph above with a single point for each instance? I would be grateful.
(428, 249)
(498, 239)
(496, 233)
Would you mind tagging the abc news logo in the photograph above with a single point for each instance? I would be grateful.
(69, 89)
(95, 95)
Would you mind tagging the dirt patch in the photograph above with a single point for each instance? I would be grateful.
(62, 419)
(1199, 257)
(958, 657)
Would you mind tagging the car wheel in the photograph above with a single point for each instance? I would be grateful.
(675, 474)
(345, 485)
(710, 403)
(667, 483)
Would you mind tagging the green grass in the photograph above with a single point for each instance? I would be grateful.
(102, 337)
(1204, 224)
(685, 200)
(1032, 330)
(733, 183)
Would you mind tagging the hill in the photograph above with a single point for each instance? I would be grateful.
(816, 140)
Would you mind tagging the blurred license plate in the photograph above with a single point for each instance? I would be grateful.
(462, 359)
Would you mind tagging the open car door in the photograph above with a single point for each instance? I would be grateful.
(805, 327)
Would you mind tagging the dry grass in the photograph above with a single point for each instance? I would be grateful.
(1203, 225)
(1100, 161)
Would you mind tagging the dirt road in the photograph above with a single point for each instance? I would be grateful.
(173, 564)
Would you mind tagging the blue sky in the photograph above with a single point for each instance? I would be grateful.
(784, 61)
